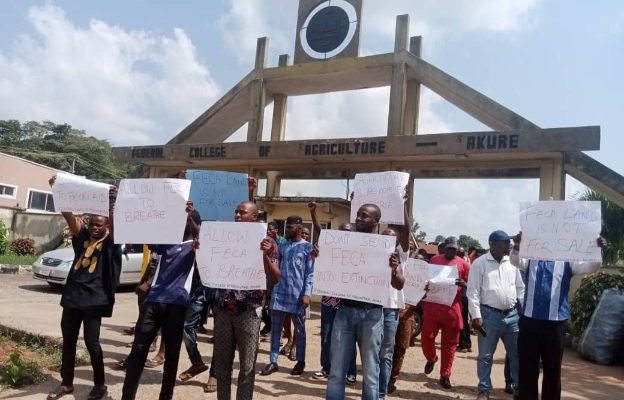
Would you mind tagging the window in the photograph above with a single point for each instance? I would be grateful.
(40, 201)
(7, 190)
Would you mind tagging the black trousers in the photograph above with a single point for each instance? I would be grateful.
(70, 328)
(152, 317)
(540, 339)
(464, 335)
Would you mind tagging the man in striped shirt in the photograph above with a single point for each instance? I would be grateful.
(542, 321)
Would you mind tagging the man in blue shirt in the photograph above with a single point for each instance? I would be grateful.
(542, 321)
(164, 308)
(291, 294)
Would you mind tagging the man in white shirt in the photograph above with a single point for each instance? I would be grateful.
(494, 289)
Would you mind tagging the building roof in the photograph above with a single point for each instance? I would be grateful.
(27, 161)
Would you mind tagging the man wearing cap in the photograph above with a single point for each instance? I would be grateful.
(291, 294)
(494, 289)
(544, 313)
(438, 317)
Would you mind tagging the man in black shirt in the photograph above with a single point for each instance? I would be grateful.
(88, 295)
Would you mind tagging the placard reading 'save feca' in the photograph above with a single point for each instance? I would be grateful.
(151, 211)
(354, 265)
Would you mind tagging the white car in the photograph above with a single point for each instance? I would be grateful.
(53, 266)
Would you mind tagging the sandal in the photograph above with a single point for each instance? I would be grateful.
(192, 371)
(292, 356)
(286, 349)
(211, 385)
(154, 363)
(59, 392)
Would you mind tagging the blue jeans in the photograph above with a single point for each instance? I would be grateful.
(362, 326)
(277, 320)
(202, 297)
(391, 321)
(327, 322)
(498, 326)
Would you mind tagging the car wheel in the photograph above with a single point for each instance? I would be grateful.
(55, 285)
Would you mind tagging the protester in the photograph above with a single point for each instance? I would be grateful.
(291, 294)
(329, 305)
(361, 323)
(164, 308)
(438, 317)
(273, 233)
(494, 289)
(544, 313)
(237, 322)
(88, 295)
(395, 305)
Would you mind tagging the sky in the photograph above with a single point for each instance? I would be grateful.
(136, 72)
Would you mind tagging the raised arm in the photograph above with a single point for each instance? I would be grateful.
(315, 222)
(270, 259)
(73, 222)
(404, 235)
(397, 279)
(112, 198)
(252, 184)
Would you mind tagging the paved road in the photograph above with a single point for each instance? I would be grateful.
(33, 306)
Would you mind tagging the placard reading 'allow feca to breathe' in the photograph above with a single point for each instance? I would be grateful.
(216, 194)
(229, 255)
(560, 230)
(151, 211)
(354, 265)
(384, 189)
(79, 195)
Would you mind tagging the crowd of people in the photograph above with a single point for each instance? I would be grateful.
(500, 297)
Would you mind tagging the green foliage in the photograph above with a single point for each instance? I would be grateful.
(587, 296)
(612, 226)
(467, 242)
(439, 239)
(60, 146)
(4, 238)
(19, 372)
(23, 246)
(421, 236)
(10, 258)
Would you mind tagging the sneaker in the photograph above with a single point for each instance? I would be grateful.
(483, 396)
(429, 366)
(445, 382)
(350, 380)
(320, 375)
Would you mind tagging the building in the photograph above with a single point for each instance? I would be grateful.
(26, 203)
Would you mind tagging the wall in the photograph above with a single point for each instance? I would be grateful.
(25, 175)
(45, 229)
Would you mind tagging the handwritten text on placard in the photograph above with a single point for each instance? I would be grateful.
(441, 280)
(385, 189)
(229, 255)
(354, 265)
(560, 230)
(79, 195)
(216, 194)
(151, 211)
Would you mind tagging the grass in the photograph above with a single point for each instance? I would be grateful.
(26, 359)
(11, 258)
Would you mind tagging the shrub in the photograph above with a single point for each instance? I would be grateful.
(587, 297)
(19, 372)
(23, 246)
(4, 238)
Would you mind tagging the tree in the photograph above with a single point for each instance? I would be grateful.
(612, 226)
(439, 239)
(421, 236)
(467, 242)
(62, 147)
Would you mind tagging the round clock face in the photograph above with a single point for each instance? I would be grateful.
(328, 29)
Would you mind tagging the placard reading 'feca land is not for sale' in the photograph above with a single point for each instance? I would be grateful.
(560, 230)
(354, 265)
(229, 255)
(384, 189)
(79, 195)
(151, 211)
(216, 194)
